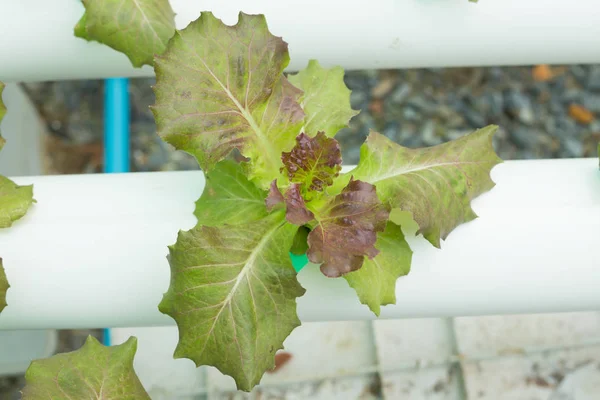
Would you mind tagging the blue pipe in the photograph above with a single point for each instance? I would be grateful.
(116, 125)
(116, 135)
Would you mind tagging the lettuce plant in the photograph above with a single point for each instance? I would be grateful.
(233, 288)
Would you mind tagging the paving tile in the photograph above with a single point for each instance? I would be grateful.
(163, 377)
(348, 388)
(230, 396)
(557, 375)
(583, 384)
(436, 383)
(418, 342)
(318, 351)
(496, 335)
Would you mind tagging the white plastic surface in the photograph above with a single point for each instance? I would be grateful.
(38, 42)
(22, 130)
(92, 251)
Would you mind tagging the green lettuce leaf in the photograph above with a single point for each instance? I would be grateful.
(92, 372)
(138, 28)
(435, 184)
(313, 163)
(233, 295)
(15, 200)
(222, 87)
(229, 197)
(3, 287)
(375, 282)
(326, 99)
(300, 245)
(346, 229)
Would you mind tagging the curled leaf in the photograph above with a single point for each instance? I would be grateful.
(233, 295)
(313, 162)
(274, 197)
(222, 87)
(296, 211)
(436, 184)
(229, 197)
(94, 371)
(375, 282)
(138, 28)
(3, 287)
(347, 229)
(326, 99)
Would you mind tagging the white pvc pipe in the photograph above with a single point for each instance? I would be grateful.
(38, 43)
(91, 253)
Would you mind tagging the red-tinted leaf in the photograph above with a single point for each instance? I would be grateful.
(296, 212)
(347, 230)
(313, 162)
(275, 197)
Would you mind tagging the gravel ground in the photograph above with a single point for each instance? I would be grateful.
(543, 112)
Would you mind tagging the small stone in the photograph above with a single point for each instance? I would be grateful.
(550, 125)
(527, 116)
(519, 106)
(514, 101)
(474, 119)
(525, 137)
(376, 107)
(401, 93)
(410, 114)
(383, 88)
(556, 106)
(444, 112)
(419, 104)
(571, 96)
(591, 102)
(356, 81)
(542, 73)
(572, 147)
(565, 125)
(358, 99)
(578, 72)
(391, 130)
(428, 134)
(593, 80)
(496, 104)
(595, 126)
(580, 114)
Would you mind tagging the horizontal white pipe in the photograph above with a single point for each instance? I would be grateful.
(38, 43)
(91, 253)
